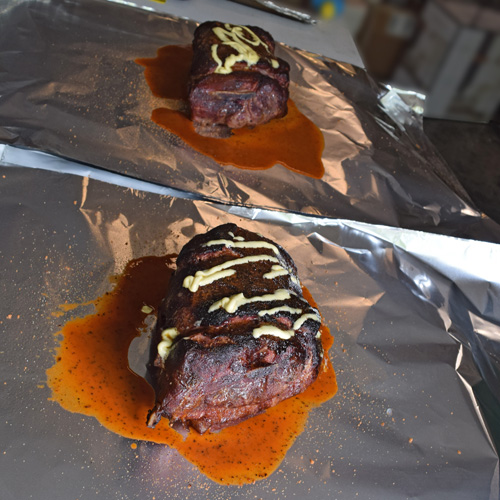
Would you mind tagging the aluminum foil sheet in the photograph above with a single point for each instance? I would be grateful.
(69, 86)
(416, 319)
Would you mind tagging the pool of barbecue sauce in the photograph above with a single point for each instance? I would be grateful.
(293, 141)
(91, 376)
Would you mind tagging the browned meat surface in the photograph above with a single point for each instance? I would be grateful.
(221, 368)
(235, 81)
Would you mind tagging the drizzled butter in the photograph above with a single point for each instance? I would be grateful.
(242, 39)
(276, 270)
(241, 243)
(238, 238)
(274, 310)
(168, 335)
(304, 318)
(272, 330)
(208, 276)
(234, 302)
(285, 334)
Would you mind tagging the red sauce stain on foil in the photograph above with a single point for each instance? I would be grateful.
(293, 141)
(91, 376)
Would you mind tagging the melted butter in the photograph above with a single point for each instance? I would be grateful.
(304, 318)
(233, 303)
(220, 271)
(276, 271)
(241, 39)
(91, 376)
(243, 244)
(272, 330)
(293, 141)
(202, 278)
(285, 334)
(274, 310)
(168, 336)
(236, 238)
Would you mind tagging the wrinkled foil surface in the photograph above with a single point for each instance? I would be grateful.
(415, 315)
(417, 346)
(70, 86)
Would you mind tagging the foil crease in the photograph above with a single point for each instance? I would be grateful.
(69, 86)
(416, 320)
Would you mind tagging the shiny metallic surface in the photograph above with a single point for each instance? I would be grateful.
(70, 87)
(415, 318)
(415, 315)
(280, 10)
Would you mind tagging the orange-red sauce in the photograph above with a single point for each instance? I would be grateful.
(293, 141)
(91, 376)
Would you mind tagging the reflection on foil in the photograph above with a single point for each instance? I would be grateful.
(347, 68)
(416, 348)
(281, 10)
(118, 234)
(77, 93)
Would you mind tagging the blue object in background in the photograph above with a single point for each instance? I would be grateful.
(328, 8)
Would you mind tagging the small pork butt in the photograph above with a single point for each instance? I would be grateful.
(235, 80)
(234, 334)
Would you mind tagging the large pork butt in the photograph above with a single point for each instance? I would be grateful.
(234, 335)
(235, 80)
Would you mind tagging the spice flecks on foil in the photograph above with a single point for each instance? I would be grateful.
(399, 315)
(374, 171)
(91, 376)
(293, 141)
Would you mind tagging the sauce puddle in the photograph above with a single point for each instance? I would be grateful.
(91, 376)
(293, 141)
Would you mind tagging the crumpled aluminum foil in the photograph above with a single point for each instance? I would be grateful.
(279, 9)
(416, 315)
(69, 86)
(416, 320)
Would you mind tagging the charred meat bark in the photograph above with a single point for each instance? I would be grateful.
(234, 335)
(235, 80)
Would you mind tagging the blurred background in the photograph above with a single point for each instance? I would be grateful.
(447, 49)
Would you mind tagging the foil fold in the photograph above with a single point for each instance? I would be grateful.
(70, 87)
(415, 318)
(402, 265)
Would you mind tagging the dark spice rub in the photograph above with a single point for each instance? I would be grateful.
(234, 334)
(235, 79)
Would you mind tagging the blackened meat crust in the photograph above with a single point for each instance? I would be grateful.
(248, 96)
(218, 373)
